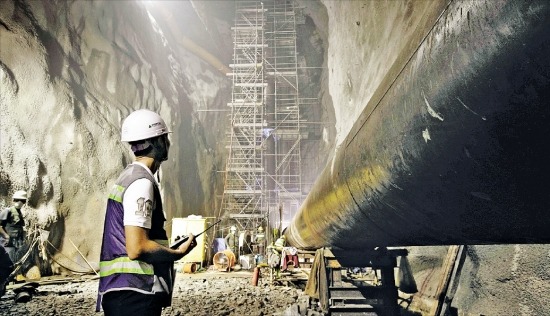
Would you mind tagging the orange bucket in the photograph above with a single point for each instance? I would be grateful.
(189, 267)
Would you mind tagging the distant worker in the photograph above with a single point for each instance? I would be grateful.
(287, 255)
(12, 237)
(275, 253)
(12, 226)
(231, 240)
(260, 240)
(136, 264)
(280, 243)
(260, 236)
(278, 246)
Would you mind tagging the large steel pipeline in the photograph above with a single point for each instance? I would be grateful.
(455, 150)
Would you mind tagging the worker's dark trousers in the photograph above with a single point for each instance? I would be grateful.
(131, 303)
(12, 253)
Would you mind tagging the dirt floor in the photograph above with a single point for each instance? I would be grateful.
(201, 293)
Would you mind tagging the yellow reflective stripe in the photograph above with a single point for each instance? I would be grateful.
(116, 193)
(124, 265)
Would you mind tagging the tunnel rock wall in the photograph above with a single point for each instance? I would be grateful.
(71, 72)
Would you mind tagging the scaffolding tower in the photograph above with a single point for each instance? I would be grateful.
(283, 157)
(263, 168)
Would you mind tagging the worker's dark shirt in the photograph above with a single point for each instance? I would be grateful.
(13, 223)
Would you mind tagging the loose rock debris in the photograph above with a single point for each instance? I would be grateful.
(203, 293)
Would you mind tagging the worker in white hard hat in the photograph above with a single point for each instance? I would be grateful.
(12, 237)
(136, 263)
(12, 225)
(231, 240)
(259, 241)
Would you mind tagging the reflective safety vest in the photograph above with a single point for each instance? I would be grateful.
(281, 242)
(116, 270)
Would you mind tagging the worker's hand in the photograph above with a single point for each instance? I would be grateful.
(6, 241)
(188, 245)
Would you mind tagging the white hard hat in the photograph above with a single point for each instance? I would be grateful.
(233, 228)
(20, 195)
(142, 124)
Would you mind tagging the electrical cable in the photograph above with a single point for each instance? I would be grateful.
(19, 263)
(63, 266)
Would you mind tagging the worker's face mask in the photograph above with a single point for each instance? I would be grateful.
(18, 204)
(162, 146)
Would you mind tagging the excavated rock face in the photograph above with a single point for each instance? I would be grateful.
(71, 72)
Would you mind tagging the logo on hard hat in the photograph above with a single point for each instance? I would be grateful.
(155, 124)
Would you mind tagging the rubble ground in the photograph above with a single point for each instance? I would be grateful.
(202, 293)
